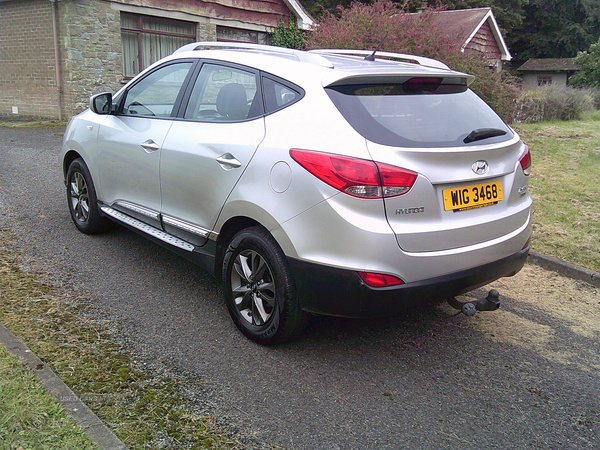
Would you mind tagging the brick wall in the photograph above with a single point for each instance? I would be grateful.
(27, 79)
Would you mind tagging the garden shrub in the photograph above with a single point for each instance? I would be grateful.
(595, 95)
(554, 103)
(290, 36)
(364, 26)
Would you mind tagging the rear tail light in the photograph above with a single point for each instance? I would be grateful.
(357, 177)
(378, 280)
(525, 161)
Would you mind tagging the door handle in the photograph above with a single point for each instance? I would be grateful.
(228, 161)
(150, 146)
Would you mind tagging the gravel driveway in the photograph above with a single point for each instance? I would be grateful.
(524, 377)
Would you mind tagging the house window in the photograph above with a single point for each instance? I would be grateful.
(543, 80)
(146, 39)
(226, 34)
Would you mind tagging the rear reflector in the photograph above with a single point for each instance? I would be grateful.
(357, 177)
(378, 280)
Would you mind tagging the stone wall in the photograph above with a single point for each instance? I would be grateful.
(206, 31)
(27, 75)
(92, 58)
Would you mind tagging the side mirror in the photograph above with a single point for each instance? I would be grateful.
(101, 103)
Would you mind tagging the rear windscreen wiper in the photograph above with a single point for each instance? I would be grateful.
(483, 133)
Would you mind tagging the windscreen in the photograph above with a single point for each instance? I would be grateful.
(419, 113)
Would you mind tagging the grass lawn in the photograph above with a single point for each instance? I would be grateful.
(565, 184)
(29, 417)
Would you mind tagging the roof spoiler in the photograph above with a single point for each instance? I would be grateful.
(387, 55)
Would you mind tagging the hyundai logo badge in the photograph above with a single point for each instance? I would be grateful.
(480, 167)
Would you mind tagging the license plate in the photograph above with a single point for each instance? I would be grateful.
(474, 196)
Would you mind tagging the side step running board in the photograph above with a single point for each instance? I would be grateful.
(147, 229)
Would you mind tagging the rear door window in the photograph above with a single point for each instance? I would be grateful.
(426, 114)
(224, 94)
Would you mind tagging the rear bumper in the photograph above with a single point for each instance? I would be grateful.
(338, 292)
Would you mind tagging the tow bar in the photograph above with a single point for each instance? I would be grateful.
(489, 303)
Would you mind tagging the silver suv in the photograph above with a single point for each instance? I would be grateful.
(333, 182)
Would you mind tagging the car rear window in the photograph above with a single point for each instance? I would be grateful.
(418, 113)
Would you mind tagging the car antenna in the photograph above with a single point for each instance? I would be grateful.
(371, 57)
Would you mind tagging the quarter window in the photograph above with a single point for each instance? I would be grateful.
(156, 94)
(277, 95)
(147, 39)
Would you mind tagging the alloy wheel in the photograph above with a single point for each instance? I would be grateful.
(79, 194)
(253, 288)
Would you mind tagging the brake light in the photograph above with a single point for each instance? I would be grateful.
(422, 84)
(378, 280)
(357, 177)
(423, 80)
(525, 161)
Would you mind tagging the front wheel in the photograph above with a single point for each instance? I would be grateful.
(81, 196)
(259, 289)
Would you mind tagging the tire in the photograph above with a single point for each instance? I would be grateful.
(81, 197)
(259, 288)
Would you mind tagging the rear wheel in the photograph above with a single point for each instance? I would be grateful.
(259, 289)
(81, 196)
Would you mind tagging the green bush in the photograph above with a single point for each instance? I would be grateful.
(589, 64)
(554, 103)
(290, 36)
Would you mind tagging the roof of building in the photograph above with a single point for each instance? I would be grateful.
(549, 65)
(465, 23)
(305, 20)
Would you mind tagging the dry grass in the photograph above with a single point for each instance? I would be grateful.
(547, 314)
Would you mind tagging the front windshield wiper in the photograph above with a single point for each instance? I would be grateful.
(483, 133)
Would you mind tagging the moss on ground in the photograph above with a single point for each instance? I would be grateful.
(144, 411)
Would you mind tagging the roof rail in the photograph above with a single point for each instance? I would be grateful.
(393, 56)
(297, 55)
